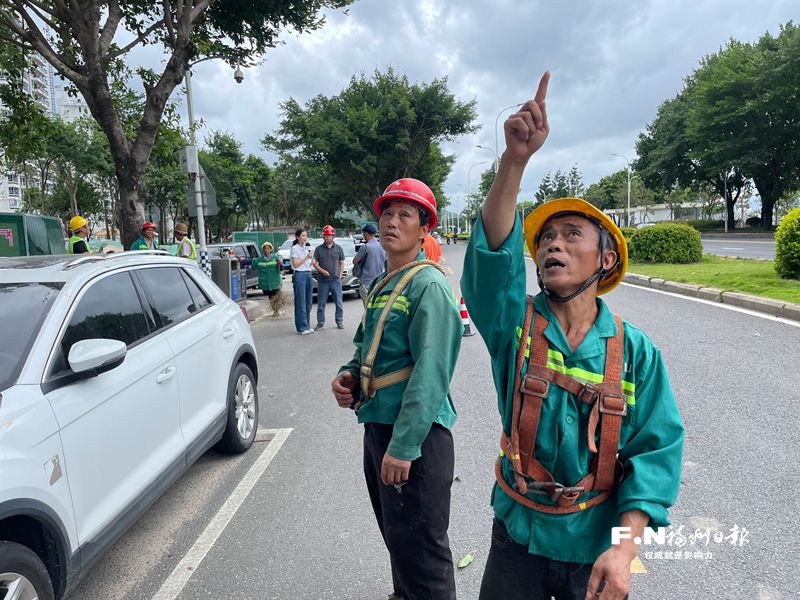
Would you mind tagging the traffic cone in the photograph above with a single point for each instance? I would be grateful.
(465, 319)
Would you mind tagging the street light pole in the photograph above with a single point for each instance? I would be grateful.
(205, 265)
(628, 169)
(238, 76)
(469, 180)
(496, 146)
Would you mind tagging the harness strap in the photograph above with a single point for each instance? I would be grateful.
(530, 391)
(370, 384)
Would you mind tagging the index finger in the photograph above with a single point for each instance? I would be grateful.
(541, 93)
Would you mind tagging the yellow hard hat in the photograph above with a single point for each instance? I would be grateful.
(267, 245)
(77, 222)
(536, 220)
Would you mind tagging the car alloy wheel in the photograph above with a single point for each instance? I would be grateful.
(245, 406)
(14, 585)
(23, 576)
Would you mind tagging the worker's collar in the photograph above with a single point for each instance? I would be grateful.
(593, 343)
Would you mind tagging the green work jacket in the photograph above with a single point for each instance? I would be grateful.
(651, 437)
(141, 244)
(423, 329)
(269, 272)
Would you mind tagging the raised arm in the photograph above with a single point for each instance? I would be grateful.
(525, 132)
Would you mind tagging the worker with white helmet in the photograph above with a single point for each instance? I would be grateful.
(591, 433)
(399, 383)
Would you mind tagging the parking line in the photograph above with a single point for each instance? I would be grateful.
(180, 576)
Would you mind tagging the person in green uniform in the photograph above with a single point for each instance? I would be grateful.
(146, 241)
(185, 247)
(550, 539)
(270, 279)
(78, 242)
(399, 384)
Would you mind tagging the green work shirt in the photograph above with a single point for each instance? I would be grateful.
(141, 244)
(423, 329)
(269, 273)
(651, 437)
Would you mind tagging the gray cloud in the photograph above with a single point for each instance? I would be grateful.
(612, 64)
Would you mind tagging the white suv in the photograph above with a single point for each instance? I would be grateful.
(116, 374)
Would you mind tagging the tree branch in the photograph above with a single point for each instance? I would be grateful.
(110, 27)
(198, 10)
(137, 41)
(36, 39)
(170, 24)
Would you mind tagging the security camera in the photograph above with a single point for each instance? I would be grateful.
(238, 75)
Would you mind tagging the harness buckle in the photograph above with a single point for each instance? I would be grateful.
(619, 407)
(569, 492)
(589, 394)
(534, 386)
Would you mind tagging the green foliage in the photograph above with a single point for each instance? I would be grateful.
(376, 130)
(627, 232)
(561, 185)
(666, 243)
(787, 246)
(736, 119)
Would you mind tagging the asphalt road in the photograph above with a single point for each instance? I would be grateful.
(743, 247)
(306, 530)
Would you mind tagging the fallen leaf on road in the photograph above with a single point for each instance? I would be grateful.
(457, 478)
(466, 560)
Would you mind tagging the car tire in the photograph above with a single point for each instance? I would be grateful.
(21, 568)
(242, 417)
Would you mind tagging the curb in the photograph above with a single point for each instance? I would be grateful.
(776, 308)
(254, 309)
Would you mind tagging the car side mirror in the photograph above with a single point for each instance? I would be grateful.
(94, 356)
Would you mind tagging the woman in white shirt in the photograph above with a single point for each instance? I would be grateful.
(302, 283)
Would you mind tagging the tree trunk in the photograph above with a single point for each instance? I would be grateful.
(131, 210)
(770, 193)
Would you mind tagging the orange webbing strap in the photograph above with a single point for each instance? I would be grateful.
(365, 371)
(611, 406)
(512, 449)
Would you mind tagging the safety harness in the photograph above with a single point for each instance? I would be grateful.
(369, 383)
(608, 406)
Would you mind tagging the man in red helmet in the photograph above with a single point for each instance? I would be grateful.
(329, 262)
(399, 384)
(591, 433)
(146, 241)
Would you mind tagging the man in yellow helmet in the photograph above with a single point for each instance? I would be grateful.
(591, 433)
(78, 242)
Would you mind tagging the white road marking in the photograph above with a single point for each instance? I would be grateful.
(746, 311)
(180, 576)
(724, 248)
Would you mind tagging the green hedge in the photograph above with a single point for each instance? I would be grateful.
(627, 232)
(787, 246)
(666, 243)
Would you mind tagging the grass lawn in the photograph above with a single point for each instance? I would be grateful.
(756, 277)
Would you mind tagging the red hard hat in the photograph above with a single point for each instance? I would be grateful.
(148, 225)
(411, 190)
(328, 230)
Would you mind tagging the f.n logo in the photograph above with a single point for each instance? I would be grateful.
(9, 235)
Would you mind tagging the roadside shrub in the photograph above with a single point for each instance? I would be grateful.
(707, 225)
(627, 232)
(787, 246)
(753, 221)
(666, 243)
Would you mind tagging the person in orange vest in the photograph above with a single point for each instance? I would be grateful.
(432, 250)
(592, 437)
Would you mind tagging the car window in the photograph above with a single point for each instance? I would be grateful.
(286, 245)
(239, 252)
(167, 294)
(198, 295)
(109, 309)
(23, 307)
(348, 245)
(253, 251)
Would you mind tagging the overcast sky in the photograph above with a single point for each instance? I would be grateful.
(612, 64)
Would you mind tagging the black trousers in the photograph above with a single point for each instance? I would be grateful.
(414, 519)
(512, 573)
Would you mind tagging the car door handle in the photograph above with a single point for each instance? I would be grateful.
(165, 375)
(226, 333)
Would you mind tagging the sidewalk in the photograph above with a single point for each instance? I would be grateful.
(776, 308)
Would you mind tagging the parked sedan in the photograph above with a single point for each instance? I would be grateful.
(116, 373)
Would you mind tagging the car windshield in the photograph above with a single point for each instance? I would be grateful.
(23, 307)
(287, 245)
